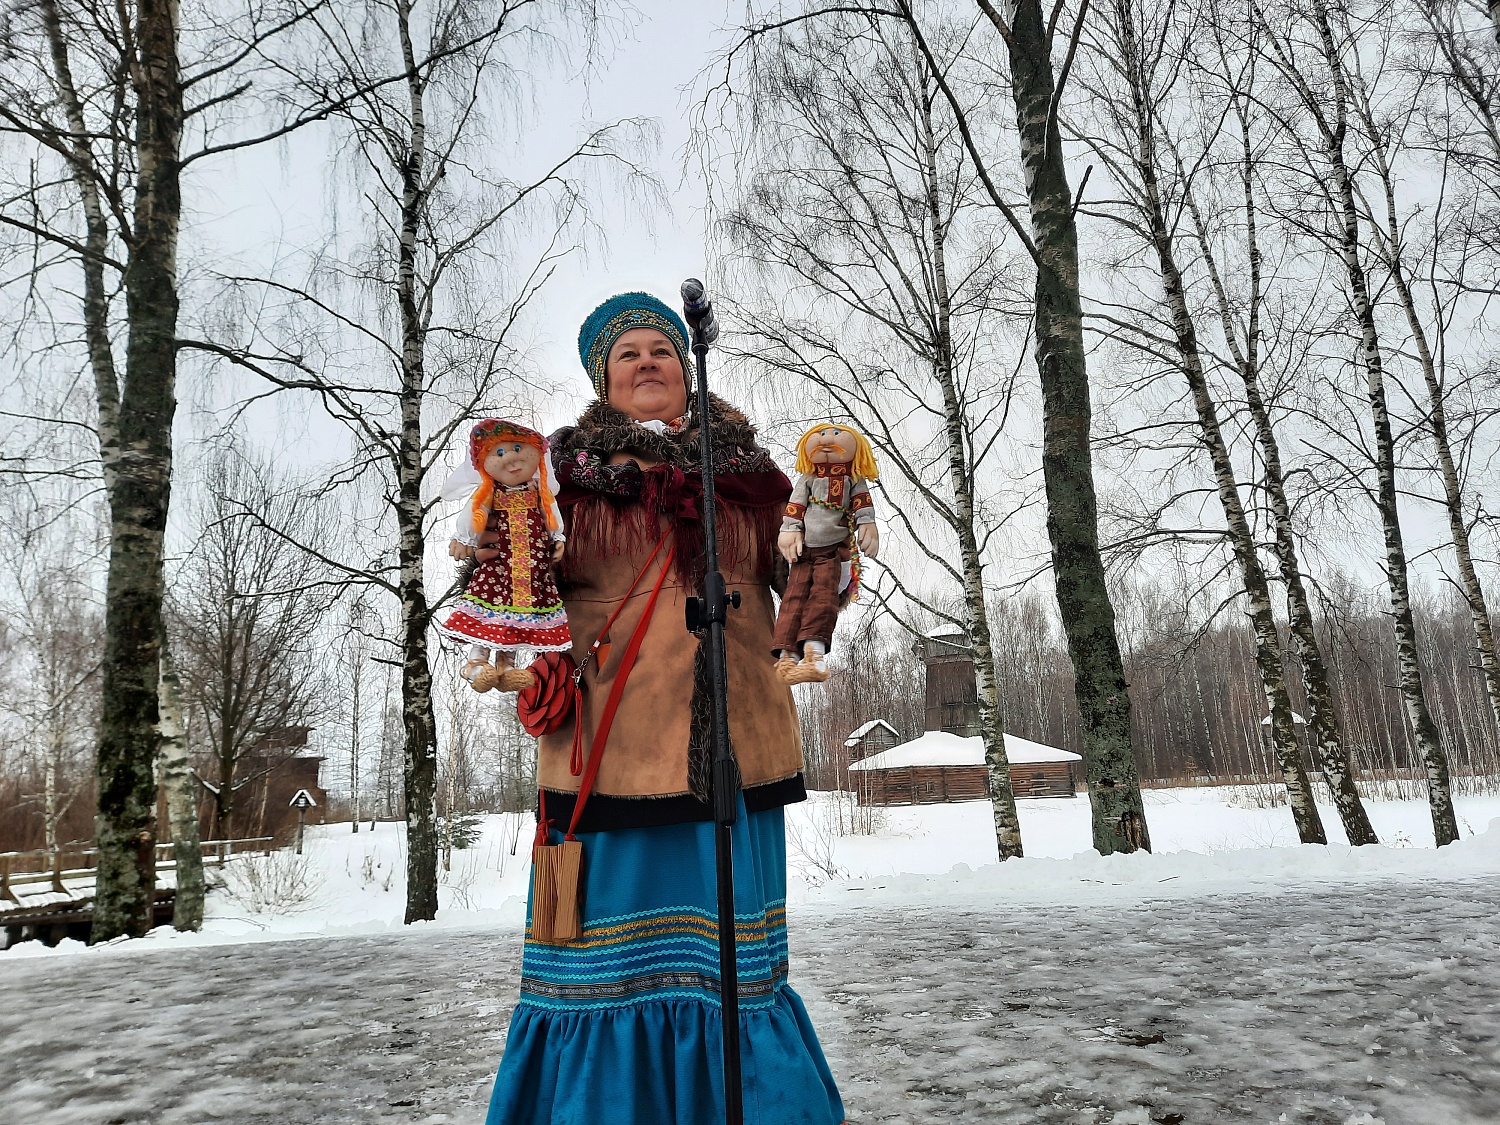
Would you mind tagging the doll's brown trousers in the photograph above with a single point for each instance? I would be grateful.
(810, 605)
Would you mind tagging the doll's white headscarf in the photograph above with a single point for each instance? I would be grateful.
(470, 480)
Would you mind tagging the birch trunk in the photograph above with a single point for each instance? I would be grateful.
(1322, 719)
(420, 772)
(1437, 422)
(181, 790)
(354, 743)
(224, 795)
(1268, 657)
(1119, 816)
(1413, 693)
(138, 476)
(991, 719)
(50, 814)
(84, 171)
(445, 837)
(1268, 660)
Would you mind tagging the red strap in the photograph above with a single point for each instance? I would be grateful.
(599, 653)
(616, 690)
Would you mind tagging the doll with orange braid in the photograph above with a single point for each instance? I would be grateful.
(513, 530)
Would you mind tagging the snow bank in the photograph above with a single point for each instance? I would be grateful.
(1208, 841)
(349, 884)
(1088, 876)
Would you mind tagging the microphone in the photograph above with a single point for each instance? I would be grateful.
(699, 310)
(694, 300)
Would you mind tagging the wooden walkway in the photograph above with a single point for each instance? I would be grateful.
(49, 895)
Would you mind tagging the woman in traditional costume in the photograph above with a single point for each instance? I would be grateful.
(621, 1025)
(512, 529)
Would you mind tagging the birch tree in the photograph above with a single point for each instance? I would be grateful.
(414, 331)
(1324, 102)
(132, 100)
(1457, 75)
(107, 107)
(180, 786)
(1385, 129)
(857, 201)
(1235, 266)
(1029, 35)
(1138, 78)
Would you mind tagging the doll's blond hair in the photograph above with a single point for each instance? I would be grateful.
(864, 465)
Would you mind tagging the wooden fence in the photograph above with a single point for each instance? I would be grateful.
(67, 869)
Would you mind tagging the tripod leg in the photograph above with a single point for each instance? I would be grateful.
(729, 977)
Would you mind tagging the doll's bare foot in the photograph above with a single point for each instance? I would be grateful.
(785, 668)
(515, 679)
(481, 674)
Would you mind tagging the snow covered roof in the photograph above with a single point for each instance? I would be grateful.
(864, 729)
(944, 642)
(939, 748)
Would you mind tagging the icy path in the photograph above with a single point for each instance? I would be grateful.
(1340, 1005)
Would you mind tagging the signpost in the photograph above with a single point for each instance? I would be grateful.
(302, 802)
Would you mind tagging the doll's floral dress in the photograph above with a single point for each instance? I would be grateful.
(511, 601)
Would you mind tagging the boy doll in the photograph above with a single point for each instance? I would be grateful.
(829, 518)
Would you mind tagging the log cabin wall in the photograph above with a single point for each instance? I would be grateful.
(931, 785)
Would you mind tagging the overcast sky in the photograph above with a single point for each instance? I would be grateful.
(266, 198)
(648, 72)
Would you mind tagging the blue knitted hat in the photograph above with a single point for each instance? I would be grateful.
(619, 315)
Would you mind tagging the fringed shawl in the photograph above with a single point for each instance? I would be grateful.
(617, 509)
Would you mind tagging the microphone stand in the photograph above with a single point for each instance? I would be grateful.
(707, 615)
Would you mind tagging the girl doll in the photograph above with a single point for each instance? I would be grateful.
(513, 530)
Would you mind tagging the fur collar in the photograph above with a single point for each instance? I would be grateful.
(604, 430)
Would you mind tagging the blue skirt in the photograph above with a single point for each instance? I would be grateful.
(623, 1027)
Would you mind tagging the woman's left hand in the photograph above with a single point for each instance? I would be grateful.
(868, 538)
(558, 547)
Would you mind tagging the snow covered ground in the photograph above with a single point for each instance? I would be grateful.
(1231, 977)
(1209, 839)
(1375, 1004)
(1372, 1004)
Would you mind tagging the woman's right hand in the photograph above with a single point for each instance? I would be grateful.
(459, 550)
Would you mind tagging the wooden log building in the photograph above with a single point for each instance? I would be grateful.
(940, 766)
(947, 762)
(870, 739)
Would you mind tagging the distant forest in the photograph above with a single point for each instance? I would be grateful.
(1197, 703)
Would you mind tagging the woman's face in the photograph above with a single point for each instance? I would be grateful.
(512, 463)
(645, 377)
